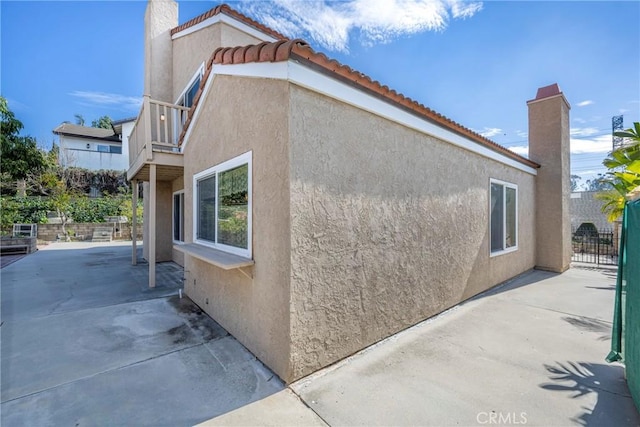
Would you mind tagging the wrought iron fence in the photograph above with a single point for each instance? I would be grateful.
(595, 247)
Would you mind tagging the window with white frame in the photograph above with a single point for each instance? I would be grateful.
(178, 216)
(504, 217)
(187, 97)
(222, 206)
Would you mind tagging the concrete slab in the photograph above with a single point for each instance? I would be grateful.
(528, 353)
(44, 352)
(177, 389)
(84, 341)
(282, 409)
(70, 276)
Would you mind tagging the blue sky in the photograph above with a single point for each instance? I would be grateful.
(475, 62)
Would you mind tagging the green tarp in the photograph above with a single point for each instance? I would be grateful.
(625, 337)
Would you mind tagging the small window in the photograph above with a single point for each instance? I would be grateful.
(187, 97)
(103, 148)
(222, 206)
(504, 217)
(115, 149)
(190, 95)
(178, 216)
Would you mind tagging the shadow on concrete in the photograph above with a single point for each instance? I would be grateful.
(84, 340)
(525, 279)
(603, 288)
(591, 325)
(68, 278)
(614, 405)
(610, 271)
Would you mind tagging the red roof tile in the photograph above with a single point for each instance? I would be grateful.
(297, 49)
(224, 8)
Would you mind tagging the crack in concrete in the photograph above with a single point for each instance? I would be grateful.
(62, 313)
(106, 371)
(309, 407)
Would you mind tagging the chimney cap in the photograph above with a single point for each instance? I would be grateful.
(548, 91)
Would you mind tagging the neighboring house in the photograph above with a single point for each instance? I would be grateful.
(585, 208)
(316, 211)
(95, 148)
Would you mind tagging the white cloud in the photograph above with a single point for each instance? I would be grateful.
(623, 110)
(109, 99)
(489, 132)
(585, 103)
(16, 105)
(583, 131)
(378, 21)
(523, 150)
(579, 120)
(522, 134)
(597, 144)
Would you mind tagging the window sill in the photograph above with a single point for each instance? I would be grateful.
(503, 252)
(223, 260)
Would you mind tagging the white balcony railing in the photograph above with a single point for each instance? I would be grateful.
(158, 127)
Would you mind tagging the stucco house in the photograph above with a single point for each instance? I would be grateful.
(316, 211)
(95, 148)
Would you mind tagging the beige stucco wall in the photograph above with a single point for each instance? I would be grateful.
(549, 146)
(176, 185)
(388, 227)
(254, 118)
(164, 216)
(160, 16)
(230, 36)
(190, 51)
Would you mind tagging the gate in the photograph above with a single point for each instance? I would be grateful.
(594, 247)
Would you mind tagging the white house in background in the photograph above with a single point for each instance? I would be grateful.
(95, 148)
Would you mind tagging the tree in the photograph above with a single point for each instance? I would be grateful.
(79, 119)
(624, 172)
(574, 182)
(19, 155)
(103, 122)
(600, 183)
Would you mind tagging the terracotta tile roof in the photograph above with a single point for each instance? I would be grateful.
(224, 8)
(297, 49)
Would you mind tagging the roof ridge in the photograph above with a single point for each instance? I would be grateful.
(228, 10)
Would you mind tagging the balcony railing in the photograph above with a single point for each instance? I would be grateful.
(158, 127)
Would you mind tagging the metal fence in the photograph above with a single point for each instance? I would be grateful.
(595, 247)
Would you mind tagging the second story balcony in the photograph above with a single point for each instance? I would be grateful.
(155, 140)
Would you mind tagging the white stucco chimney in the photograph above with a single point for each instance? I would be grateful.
(160, 17)
(549, 147)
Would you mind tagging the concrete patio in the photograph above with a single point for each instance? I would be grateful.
(85, 342)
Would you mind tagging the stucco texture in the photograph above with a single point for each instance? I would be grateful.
(164, 216)
(176, 256)
(192, 50)
(160, 17)
(549, 146)
(237, 116)
(388, 227)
